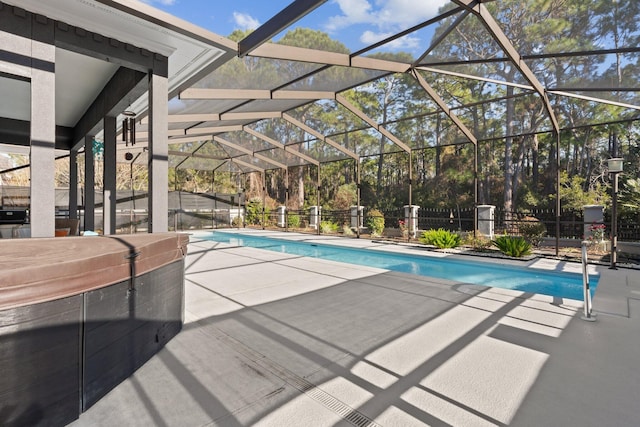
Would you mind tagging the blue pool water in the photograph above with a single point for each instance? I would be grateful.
(558, 284)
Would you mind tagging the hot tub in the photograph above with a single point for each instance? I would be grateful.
(80, 314)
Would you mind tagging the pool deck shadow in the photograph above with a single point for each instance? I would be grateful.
(277, 340)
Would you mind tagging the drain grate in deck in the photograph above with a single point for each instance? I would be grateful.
(346, 412)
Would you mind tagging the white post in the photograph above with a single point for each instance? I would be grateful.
(281, 214)
(486, 220)
(593, 214)
(411, 219)
(357, 217)
(585, 286)
(314, 217)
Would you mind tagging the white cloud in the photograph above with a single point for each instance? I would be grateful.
(245, 21)
(406, 42)
(384, 16)
(354, 12)
(406, 13)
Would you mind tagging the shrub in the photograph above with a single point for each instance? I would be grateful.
(328, 227)
(440, 238)
(375, 222)
(347, 231)
(515, 246)
(532, 230)
(478, 243)
(254, 211)
(294, 220)
(346, 196)
(237, 222)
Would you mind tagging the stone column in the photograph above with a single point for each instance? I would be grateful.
(486, 220)
(593, 214)
(411, 219)
(314, 217)
(281, 212)
(357, 217)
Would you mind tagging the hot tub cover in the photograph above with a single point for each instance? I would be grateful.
(43, 269)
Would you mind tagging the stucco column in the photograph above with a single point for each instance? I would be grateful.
(109, 190)
(158, 154)
(43, 139)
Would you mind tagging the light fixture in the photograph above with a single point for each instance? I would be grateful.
(615, 165)
(129, 128)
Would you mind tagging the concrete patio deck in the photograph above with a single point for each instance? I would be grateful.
(278, 340)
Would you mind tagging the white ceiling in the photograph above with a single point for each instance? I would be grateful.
(79, 78)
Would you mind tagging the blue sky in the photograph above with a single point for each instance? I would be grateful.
(357, 23)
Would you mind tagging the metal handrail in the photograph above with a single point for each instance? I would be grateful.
(588, 315)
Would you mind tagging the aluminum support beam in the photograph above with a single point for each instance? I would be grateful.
(279, 22)
(294, 53)
(445, 108)
(465, 130)
(248, 152)
(320, 136)
(217, 94)
(485, 17)
(281, 146)
(247, 165)
(349, 106)
(442, 36)
(125, 85)
(213, 129)
(529, 87)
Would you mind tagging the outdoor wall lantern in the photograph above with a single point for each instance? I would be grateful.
(129, 128)
(615, 166)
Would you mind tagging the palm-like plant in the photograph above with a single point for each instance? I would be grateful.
(515, 246)
(440, 238)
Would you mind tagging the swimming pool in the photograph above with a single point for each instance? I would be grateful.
(557, 284)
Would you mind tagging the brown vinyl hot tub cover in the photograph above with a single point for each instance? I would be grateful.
(39, 270)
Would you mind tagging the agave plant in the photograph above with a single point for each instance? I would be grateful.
(440, 238)
(515, 246)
